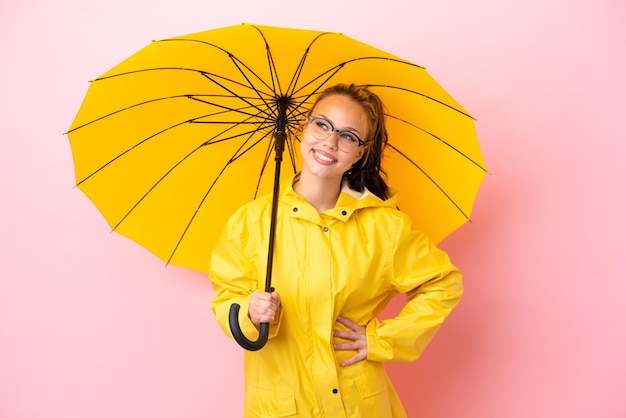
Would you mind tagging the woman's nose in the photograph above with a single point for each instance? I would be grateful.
(331, 140)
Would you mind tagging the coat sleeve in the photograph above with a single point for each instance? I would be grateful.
(433, 287)
(234, 276)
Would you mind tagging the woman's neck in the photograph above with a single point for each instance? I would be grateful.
(322, 194)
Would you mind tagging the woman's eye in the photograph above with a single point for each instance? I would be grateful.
(322, 125)
(347, 136)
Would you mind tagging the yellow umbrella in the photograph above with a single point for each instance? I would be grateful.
(171, 141)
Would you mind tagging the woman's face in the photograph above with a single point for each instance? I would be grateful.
(323, 158)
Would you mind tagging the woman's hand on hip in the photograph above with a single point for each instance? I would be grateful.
(357, 337)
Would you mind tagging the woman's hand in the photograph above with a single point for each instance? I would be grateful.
(263, 307)
(358, 340)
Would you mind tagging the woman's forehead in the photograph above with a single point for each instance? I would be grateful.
(342, 111)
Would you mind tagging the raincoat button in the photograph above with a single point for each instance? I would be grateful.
(295, 209)
(325, 229)
(344, 213)
(335, 391)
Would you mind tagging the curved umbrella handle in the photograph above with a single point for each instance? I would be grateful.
(242, 340)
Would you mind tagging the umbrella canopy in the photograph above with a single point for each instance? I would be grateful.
(171, 141)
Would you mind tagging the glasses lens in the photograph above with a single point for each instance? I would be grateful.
(321, 128)
(347, 141)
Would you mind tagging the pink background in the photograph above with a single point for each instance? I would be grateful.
(92, 325)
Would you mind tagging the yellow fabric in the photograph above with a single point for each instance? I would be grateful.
(349, 261)
(171, 141)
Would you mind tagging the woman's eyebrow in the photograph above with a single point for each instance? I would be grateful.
(347, 128)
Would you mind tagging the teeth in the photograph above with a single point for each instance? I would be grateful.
(324, 158)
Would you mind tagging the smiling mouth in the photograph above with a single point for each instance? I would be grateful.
(323, 157)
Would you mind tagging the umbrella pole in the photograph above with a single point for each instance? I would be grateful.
(233, 318)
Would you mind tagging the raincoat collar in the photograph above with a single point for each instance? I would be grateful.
(349, 201)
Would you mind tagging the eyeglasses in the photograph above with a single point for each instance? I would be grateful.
(321, 128)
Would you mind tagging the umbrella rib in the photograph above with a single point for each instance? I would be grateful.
(431, 180)
(424, 96)
(209, 76)
(154, 135)
(143, 141)
(189, 96)
(304, 100)
(271, 65)
(239, 154)
(259, 108)
(122, 110)
(300, 109)
(230, 55)
(205, 143)
(291, 148)
(446, 143)
(192, 70)
(182, 236)
(233, 158)
(268, 154)
(232, 109)
(296, 76)
(329, 73)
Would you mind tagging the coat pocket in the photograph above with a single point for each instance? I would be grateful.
(371, 382)
(274, 402)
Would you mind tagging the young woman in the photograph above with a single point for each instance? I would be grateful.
(342, 251)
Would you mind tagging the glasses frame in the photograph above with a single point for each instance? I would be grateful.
(311, 119)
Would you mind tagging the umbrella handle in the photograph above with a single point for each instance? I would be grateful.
(242, 340)
(233, 315)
